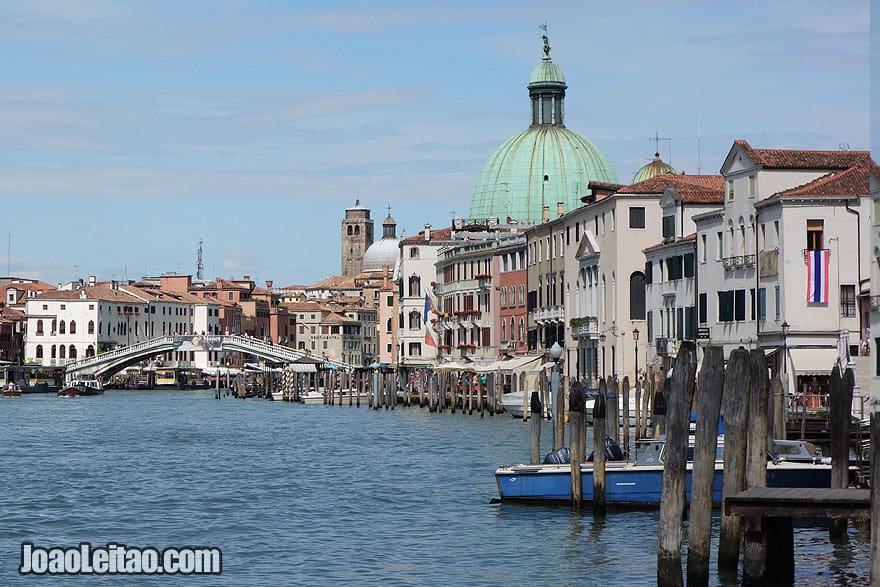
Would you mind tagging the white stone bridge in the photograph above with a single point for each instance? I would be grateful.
(106, 364)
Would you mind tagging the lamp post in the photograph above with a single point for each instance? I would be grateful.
(636, 345)
(556, 402)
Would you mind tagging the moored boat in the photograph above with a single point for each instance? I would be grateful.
(312, 397)
(84, 386)
(12, 390)
(638, 484)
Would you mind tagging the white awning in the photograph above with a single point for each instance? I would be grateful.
(453, 366)
(302, 367)
(543, 367)
(509, 366)
(813, 361)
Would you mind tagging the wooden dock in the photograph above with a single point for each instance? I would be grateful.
(793, 502)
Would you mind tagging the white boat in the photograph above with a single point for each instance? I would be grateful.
(277, 396)
(513, 404)
(312, 397)
(591, 401)
(85, 385)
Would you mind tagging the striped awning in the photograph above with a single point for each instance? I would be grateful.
(302, 367)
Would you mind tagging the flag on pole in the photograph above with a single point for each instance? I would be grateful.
(817, 276)
(429, 340)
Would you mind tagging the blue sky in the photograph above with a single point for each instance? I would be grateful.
(130, 130)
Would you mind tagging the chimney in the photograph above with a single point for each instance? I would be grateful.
(427, 233)
(92, 280)
(560, 209)
(545, 214)
(269, 284)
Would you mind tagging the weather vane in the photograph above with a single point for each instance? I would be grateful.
(543, 27)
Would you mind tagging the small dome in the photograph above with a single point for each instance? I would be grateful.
(547, 72)
(653, 169)
(382, 253)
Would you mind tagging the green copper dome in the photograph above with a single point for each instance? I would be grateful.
(652, 169)
(542, 166)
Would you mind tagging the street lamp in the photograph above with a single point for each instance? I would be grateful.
(636, 345)
(556, 402)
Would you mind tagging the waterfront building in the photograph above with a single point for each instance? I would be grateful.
(546, 166)
(874, 261)
(670, 269)
(14, 293)
(469, 294)
(785, 264)
(357, 236)
(419, 339)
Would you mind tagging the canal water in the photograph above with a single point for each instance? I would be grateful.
(317, 495)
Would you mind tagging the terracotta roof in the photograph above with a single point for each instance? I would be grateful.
(335, 282)
(437, 234)
(96, 292)
(849, 183)
(304, 306)
(803, 159)
(691, 237)
(708, 189)
(11, 315)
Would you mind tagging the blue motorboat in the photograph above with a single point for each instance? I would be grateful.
(638, 483)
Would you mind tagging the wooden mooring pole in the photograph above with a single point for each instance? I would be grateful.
(709, 386)
(735, 405)
(599, 505)
(577, 441)
(535, 437)
(672, 498)
(754, 543)
(840, 413)
(875, 497)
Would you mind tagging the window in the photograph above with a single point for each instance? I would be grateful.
(778, 303)
(649, 272)
(739, 305)
(39, 351)
(702, 248)
(415, 286)
(91, 327)
(848, 301)
(637, 217)
(650, 322)
(72, 327)
(762, 303)
(62, 328)
(389, 301)
(725, 306)
(704, 300)
(39, 328)
(719, 242)
(668, 227)
(752, 188)
(688, 261)
(415, 349)
(389, 326)
(674, 268)
(415, 320)
(815, 229)
(414, 254)
(729, 190)
(637, 296)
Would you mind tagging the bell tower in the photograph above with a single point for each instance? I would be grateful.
(357, 236)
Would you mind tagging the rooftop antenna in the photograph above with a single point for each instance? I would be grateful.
(199, 265)
(657, 138)
(699, 145)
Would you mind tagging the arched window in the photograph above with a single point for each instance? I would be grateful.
(522, 295)
(350, 230)
(91, 327)
(414, 253)
(357, 230)
(415, 286)
(503, 299)
(503, 331)
(54, 326)
(54, 351)
(512, 329)
(521, 330)
(39, 328)
(39, 351)
(61, 328)
(637, 296)
(73, 327)
(62, 352)
(72, 353)
(415, 320)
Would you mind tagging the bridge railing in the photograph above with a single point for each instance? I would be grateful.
(120, 352)
(280, 350)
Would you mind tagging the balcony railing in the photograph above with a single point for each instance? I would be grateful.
(738, 261)
(552, 313)
(587, 327)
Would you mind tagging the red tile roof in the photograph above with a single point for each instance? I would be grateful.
(849, 183)
(803, 159)
(695, 189)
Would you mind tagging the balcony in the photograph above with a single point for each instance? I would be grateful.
(586, 327)
(738, 262)
(549, 314)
